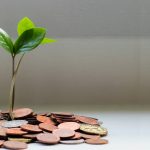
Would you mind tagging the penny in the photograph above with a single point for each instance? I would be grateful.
(25, 140)
(48, 138)
(64, 133)
(87, 120)
(13, 123)
(72, 141)
(31, 128)
(62, 113)
(15, 131)
(1, 142)
(76, 136)
(69, 125)
(3, 132)
(89, 136)
(15, 145)
(30, 136)
(96, 141)
(22, 112)
(44, 119)
(93, 129)
(47, 127)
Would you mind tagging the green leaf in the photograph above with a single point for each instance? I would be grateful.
(24, 24)
(47, 40)
(5, 41)
(29, 40)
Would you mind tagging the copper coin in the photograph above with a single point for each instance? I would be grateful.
(64, 117)
(15, 131)
(1, 142)
(47, 127)
(69, 125)
(64, 133)
(25, 140)
(15, 145)
(62, 113)
(89, 136)
(22, 112)
(96, 141)
(48, 138)
(31, 128)
(3, 132)
(72, 141)
(87, 120)
(30, 136)
(76, 136)
(44, 119)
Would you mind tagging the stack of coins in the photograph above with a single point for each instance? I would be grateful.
(61, 117)
(49, 128)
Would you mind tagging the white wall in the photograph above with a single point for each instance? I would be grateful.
(102, 54)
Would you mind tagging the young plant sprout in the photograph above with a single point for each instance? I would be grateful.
(29, 37)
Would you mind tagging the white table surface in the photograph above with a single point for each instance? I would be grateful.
(129, 129)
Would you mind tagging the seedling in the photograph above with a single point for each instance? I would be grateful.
(29, 37)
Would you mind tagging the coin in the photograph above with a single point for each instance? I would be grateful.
(96, 141)
(89, 136)
(48, 138)
(31, 128)
(15, 131)
(13, 123)
(47, 127)
(69, 125)
(44, 119)
(30, 136)
(87, 120)
(22, 112)
(64, 133)
(72, 141)
(2, 132)
(1, 142)
(93, 129)
(15, 145)
(76, 136)
(25, 140)
(62, 113)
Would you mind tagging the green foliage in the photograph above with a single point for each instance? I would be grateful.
(26, 24)
(29, 40)
(5, 41)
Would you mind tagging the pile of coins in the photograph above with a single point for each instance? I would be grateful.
(49, 128)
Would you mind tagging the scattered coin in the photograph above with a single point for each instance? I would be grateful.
(44, 119)
(64, 133)
(13, 123)
(31, 128)
(72, 141)
(25, 140)
(89, 136)
(30, 136)
(76, 136)
(3, 132)
(1, 142)
(15, 145)
(96, 141)
(93, 129)
(15, 131)
(62, 113)
(47, 127)
(22, 112)
(48, 138)
(87, 120)
(69, 125)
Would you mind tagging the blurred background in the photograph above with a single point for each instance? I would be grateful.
(101, 57)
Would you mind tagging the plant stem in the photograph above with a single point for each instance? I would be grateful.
(12, 87)
(13, 71)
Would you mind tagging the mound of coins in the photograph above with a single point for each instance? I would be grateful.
(49, 128)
